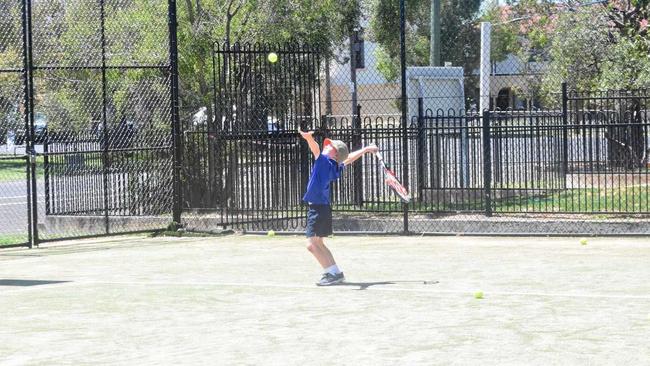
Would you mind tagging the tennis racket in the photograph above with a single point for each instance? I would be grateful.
(392, 181)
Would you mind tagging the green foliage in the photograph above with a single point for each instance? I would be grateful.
(577, 51)
(601, 46)
(628, 199)
(136, 34)
(628, 66)
(385, 65)
(459, 39)
(12, 239)
(16, 169)
(522, 29)
(10, 58)
(323, 24)
(11, 38)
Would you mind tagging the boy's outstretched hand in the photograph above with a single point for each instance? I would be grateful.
(369, 149)
(313, 145)
(372, 148)
(306, 135)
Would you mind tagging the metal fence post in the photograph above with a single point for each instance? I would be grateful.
(305, 156)
(565, 130)
(25, 77)
(353, 70)
(105, 130)
(32, 188)
(421, 145)
(176, 126)
(487, 163)
(404, 102)
(358, 169)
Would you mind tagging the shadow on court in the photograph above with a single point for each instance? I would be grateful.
(366, 285)
(26, 283)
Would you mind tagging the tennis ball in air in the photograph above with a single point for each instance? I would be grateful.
(273, 57)
(583, 241)
(270, 233)
(478, 295)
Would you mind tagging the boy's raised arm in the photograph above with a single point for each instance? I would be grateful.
(370, 149)
(313, 145)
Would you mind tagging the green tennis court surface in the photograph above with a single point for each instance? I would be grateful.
(247, 300)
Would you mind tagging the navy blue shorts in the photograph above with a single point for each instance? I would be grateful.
(319, 221)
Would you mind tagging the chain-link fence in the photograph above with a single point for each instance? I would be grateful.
(14, 203)
(95, 83)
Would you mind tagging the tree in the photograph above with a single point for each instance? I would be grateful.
(323, 24)
(627, 66)
(521, 32)
(10, 59)
(460, 37)
(135, 34)
(590, 46)
(67, 33)
(577, 56)
(603, 46)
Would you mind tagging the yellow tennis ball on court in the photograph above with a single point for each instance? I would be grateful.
(478, 295)
(273, 57)
(270, 233)
(583, 241)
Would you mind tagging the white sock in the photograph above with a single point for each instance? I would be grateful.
(333, 269)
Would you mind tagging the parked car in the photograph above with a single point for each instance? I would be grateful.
(120, 136)
(9, 121)
(200, 118)
(40, 130)
(272, 125)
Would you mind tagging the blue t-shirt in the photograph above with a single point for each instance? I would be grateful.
(324, 171)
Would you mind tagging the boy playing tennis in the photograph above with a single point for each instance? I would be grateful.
(328, 167)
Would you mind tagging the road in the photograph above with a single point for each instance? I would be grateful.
(13, 198)
(18, 149)
(13, 206)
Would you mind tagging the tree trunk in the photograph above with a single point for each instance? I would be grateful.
(626, 135)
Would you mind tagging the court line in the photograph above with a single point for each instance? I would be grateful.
(16, 197)
(430, 289)
(13, 204)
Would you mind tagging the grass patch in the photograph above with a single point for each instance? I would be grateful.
(632, 199)
(625, 200)
(16, 169)
(10, 239)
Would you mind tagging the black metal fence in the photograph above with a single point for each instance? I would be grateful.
(242, 163)
(464, 168)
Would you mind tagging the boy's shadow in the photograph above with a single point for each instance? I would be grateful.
(366, 285)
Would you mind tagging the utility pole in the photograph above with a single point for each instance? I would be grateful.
(328, 87)
(434, 50)
(353, 71)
